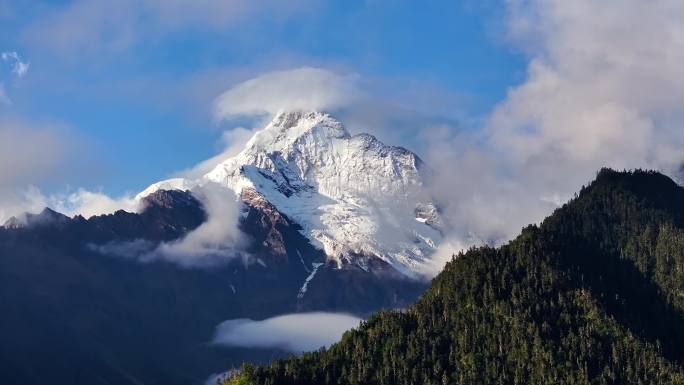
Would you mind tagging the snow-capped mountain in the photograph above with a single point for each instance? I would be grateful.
(332, 222)
(353, 196)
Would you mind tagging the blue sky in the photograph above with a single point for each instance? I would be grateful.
(135, 96)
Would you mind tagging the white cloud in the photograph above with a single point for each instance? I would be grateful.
(483, 198)
(391, 109)
(293, 332)
(130, 249)
(604, 85)
(217, 240)
(19, 67)
(38, 154)
(101, 26)
(15, 202)
(296, 89)
(604, 88)
(89, 203)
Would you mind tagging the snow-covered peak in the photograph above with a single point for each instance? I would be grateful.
(287, 127)
(168, 184)
(353, 196)
(300, 150)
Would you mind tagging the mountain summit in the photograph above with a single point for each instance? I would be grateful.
(353, 196)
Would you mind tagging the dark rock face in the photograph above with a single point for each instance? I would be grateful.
(87, 318)
(347, 288)
(45, 218)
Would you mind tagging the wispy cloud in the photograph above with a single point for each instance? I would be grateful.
(28, 153)
(296, 333)
(19, 67)
(215, 241)
(101, 27)
(88, 203)
(17, 70)
(33, 154)
(233, 142)
(296, 89)
(15, 201)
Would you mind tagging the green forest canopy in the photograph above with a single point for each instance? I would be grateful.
(593, 295)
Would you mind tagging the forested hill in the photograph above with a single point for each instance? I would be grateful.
(594, 295)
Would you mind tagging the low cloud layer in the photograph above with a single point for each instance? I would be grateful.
(89, 203)
(215, 241)
(79, 202)
(296, 333)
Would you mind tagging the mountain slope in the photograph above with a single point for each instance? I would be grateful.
(595, 294)
(353, 196)
(87, 316)
(331, 222)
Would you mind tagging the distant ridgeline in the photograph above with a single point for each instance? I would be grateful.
(595, 294)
